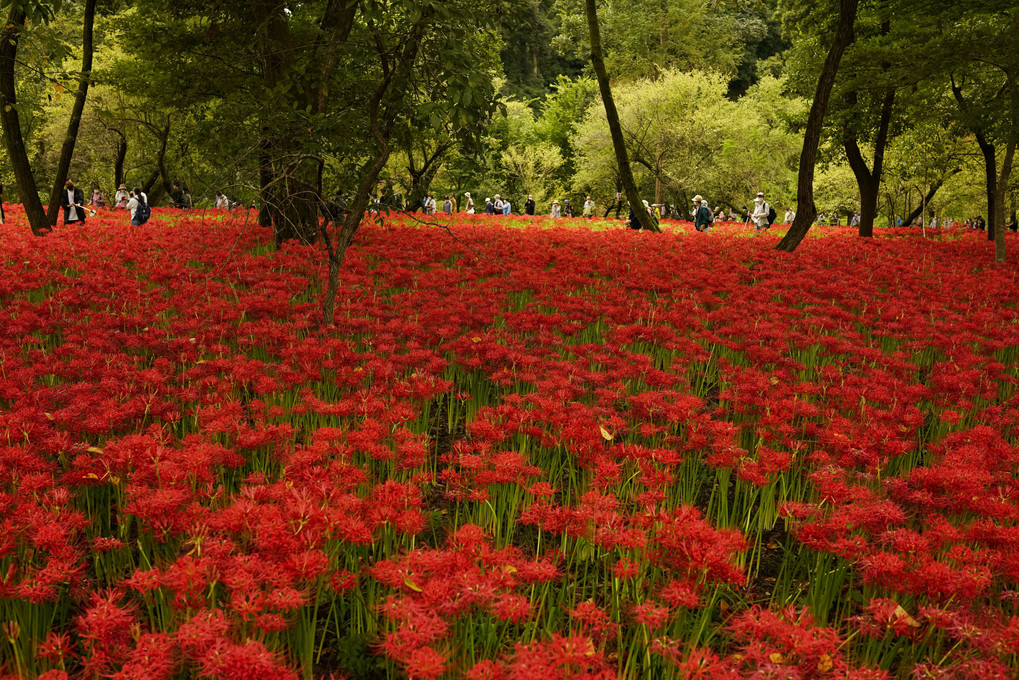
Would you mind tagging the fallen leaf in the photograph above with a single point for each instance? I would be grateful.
(410, 584)
(901, 613)
(775, 657)
(605, 433)
(824, 664)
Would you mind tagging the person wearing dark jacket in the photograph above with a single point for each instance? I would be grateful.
(529, 206)
(702, 215)
(72, 200)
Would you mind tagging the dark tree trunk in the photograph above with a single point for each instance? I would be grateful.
(869, 181)
(289, 199)
(612, 116)
(421, 177)
(265, 177)
(118, 165)
(806, 211)
(926, 200)
(999, 203)
(71, 138)
(991, 178)
(15, 141)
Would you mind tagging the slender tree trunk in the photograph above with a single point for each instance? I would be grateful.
(926, 199)
(999, 203)
(806, 211)
(118, 165)
(612, 116)
(15, 141)
(71, 138)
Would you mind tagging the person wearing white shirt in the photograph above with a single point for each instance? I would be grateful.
(761, 210)
(222, 202)
(789, 216)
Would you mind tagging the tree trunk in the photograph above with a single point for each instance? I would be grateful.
(71, 138)
(991, 178)
(421, 177)
(999, 203)
(15, 141)
(806, 211)
(289, 199)
(612, 116)
(925, 200)
(869, 181)
(118, 165)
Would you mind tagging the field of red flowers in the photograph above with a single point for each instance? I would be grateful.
(531, 451)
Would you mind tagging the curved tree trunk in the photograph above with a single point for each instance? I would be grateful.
(612, 116)
(806, 211)
(71, 138)
(999, 203)
(118, 165)
(15, 141)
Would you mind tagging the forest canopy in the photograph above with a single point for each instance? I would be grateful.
(286, 103)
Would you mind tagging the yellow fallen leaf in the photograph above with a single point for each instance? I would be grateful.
(95, 449)
(605, 433)
(901, 613)
(50, 416)
(410, 584)
(775, 657)
(824, 664)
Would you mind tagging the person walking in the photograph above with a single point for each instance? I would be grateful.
(789, 215)
(222, 202)
(430, 207)
(489, 207)
(507, 207)
(468, 204)
(556, 210)
(761, 211)
(447, 205)
(589, 208)
(498, 204)
(73, 203)
(702, 218)
(529, 205)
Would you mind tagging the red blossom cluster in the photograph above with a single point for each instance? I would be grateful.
(534, 451)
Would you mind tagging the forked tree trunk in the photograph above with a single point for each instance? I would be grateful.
(927, 199)
(806, 211)
(15, 141)
(612, 116)
(869, 180)
(71, 138)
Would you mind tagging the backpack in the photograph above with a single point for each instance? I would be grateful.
(142, 213)
(772, 215)
(711, 214)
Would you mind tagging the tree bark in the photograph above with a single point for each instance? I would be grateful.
(806, 211)
(869, 181)
(990, 154)
(421, 177)
(926, 200)
(15, 141)
(118, 165)
(612, 116)
(71, 138)
(999, 203)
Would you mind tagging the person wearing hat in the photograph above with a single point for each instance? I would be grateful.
(702, 218)
(469, 203)
(529, 205)
(556, 210)
(761, 210)
(122, 196)
(589, 208)
(489, 207)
